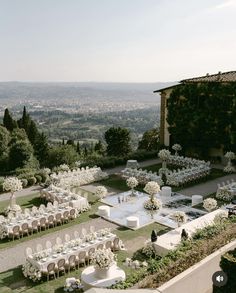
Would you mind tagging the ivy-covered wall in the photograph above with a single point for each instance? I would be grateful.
(203, 116)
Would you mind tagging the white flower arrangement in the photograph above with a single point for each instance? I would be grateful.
(164, 154)
(163, 171)
(101, 191)
(177, 147)
(152, 204)
(224, 194)
(209, 204)
(152, 188)
(180, 217)
(103, 258)
(58, 248)
(40, 255)
(230, 155)
(63, 167)
(31, 272)
(12, 184)
(72, 284)
(90, 237)
(3, 232)
(132, 182)
(104, 232)
(229, 169)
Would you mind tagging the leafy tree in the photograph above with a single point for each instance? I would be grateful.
(42, 149)
(20, 153)
(99, 147)
(62, 155)
(150, 140)
(70, 142)
(118, 141)
(4, 140)
(85, 151)
(78, 148)
(18, 134)
(8, 121)
(33, 132)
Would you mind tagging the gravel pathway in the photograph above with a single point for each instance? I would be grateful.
(15, 256)
(24, 192)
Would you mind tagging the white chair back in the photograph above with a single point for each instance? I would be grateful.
(67, 237)
(76, 234)
(28, 251)
(48, 244)
(84, 232)
(58, 241)
(39, 247)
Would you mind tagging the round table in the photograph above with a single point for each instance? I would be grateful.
(132, 222)
(89, 278)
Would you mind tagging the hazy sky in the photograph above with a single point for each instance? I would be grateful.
(116, 40)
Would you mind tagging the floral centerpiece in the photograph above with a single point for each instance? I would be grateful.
(103, 258)
(3, 232)
(73, 284)
(12, 184)
(229, 168)
(58, 248)
(164, 155)
(152, 188)
(31, 272)
(220, 217)
(176, 147)
(180, 217)
(101, 191)
(209, 204)
(224, 194)
(132, 182)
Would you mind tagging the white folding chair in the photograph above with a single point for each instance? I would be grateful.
(28, 251)
(58, 241)
(48, 244)
(39, 247)
(67, 238)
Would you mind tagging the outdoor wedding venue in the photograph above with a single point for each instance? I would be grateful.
(117, 146)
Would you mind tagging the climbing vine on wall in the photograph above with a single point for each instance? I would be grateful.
(203, 116)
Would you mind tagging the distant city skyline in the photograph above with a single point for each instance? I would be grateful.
(115, 40)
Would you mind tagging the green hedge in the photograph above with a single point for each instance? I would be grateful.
(228, 265)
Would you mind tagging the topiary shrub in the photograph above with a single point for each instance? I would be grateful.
(24, 182)
(38, 178)
(32, 181)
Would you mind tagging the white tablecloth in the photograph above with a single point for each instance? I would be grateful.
(42, 265)
(9, 226)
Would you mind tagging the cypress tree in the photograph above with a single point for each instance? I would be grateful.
(33, 132)
(78, 148)
(8, 121)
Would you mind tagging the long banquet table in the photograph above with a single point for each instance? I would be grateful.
(29, 219)
(67, 252)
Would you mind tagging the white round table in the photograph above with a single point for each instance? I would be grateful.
(89, 278)
(196, 199)
(166, 191)
(132, 222)
(104, 211)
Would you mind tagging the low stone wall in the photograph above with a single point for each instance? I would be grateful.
(197, 279)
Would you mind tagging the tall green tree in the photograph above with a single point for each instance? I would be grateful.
(42, 149)
(99, 147)
(20, 154)
(118, 141)
(4, 140)
(62, 155)
(8, 121)
(78, 148)
(24, 122)
(33, 132)
(150, 140)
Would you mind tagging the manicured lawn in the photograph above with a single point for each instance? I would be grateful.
(14, 281)
(24, 201)
(84, 217)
